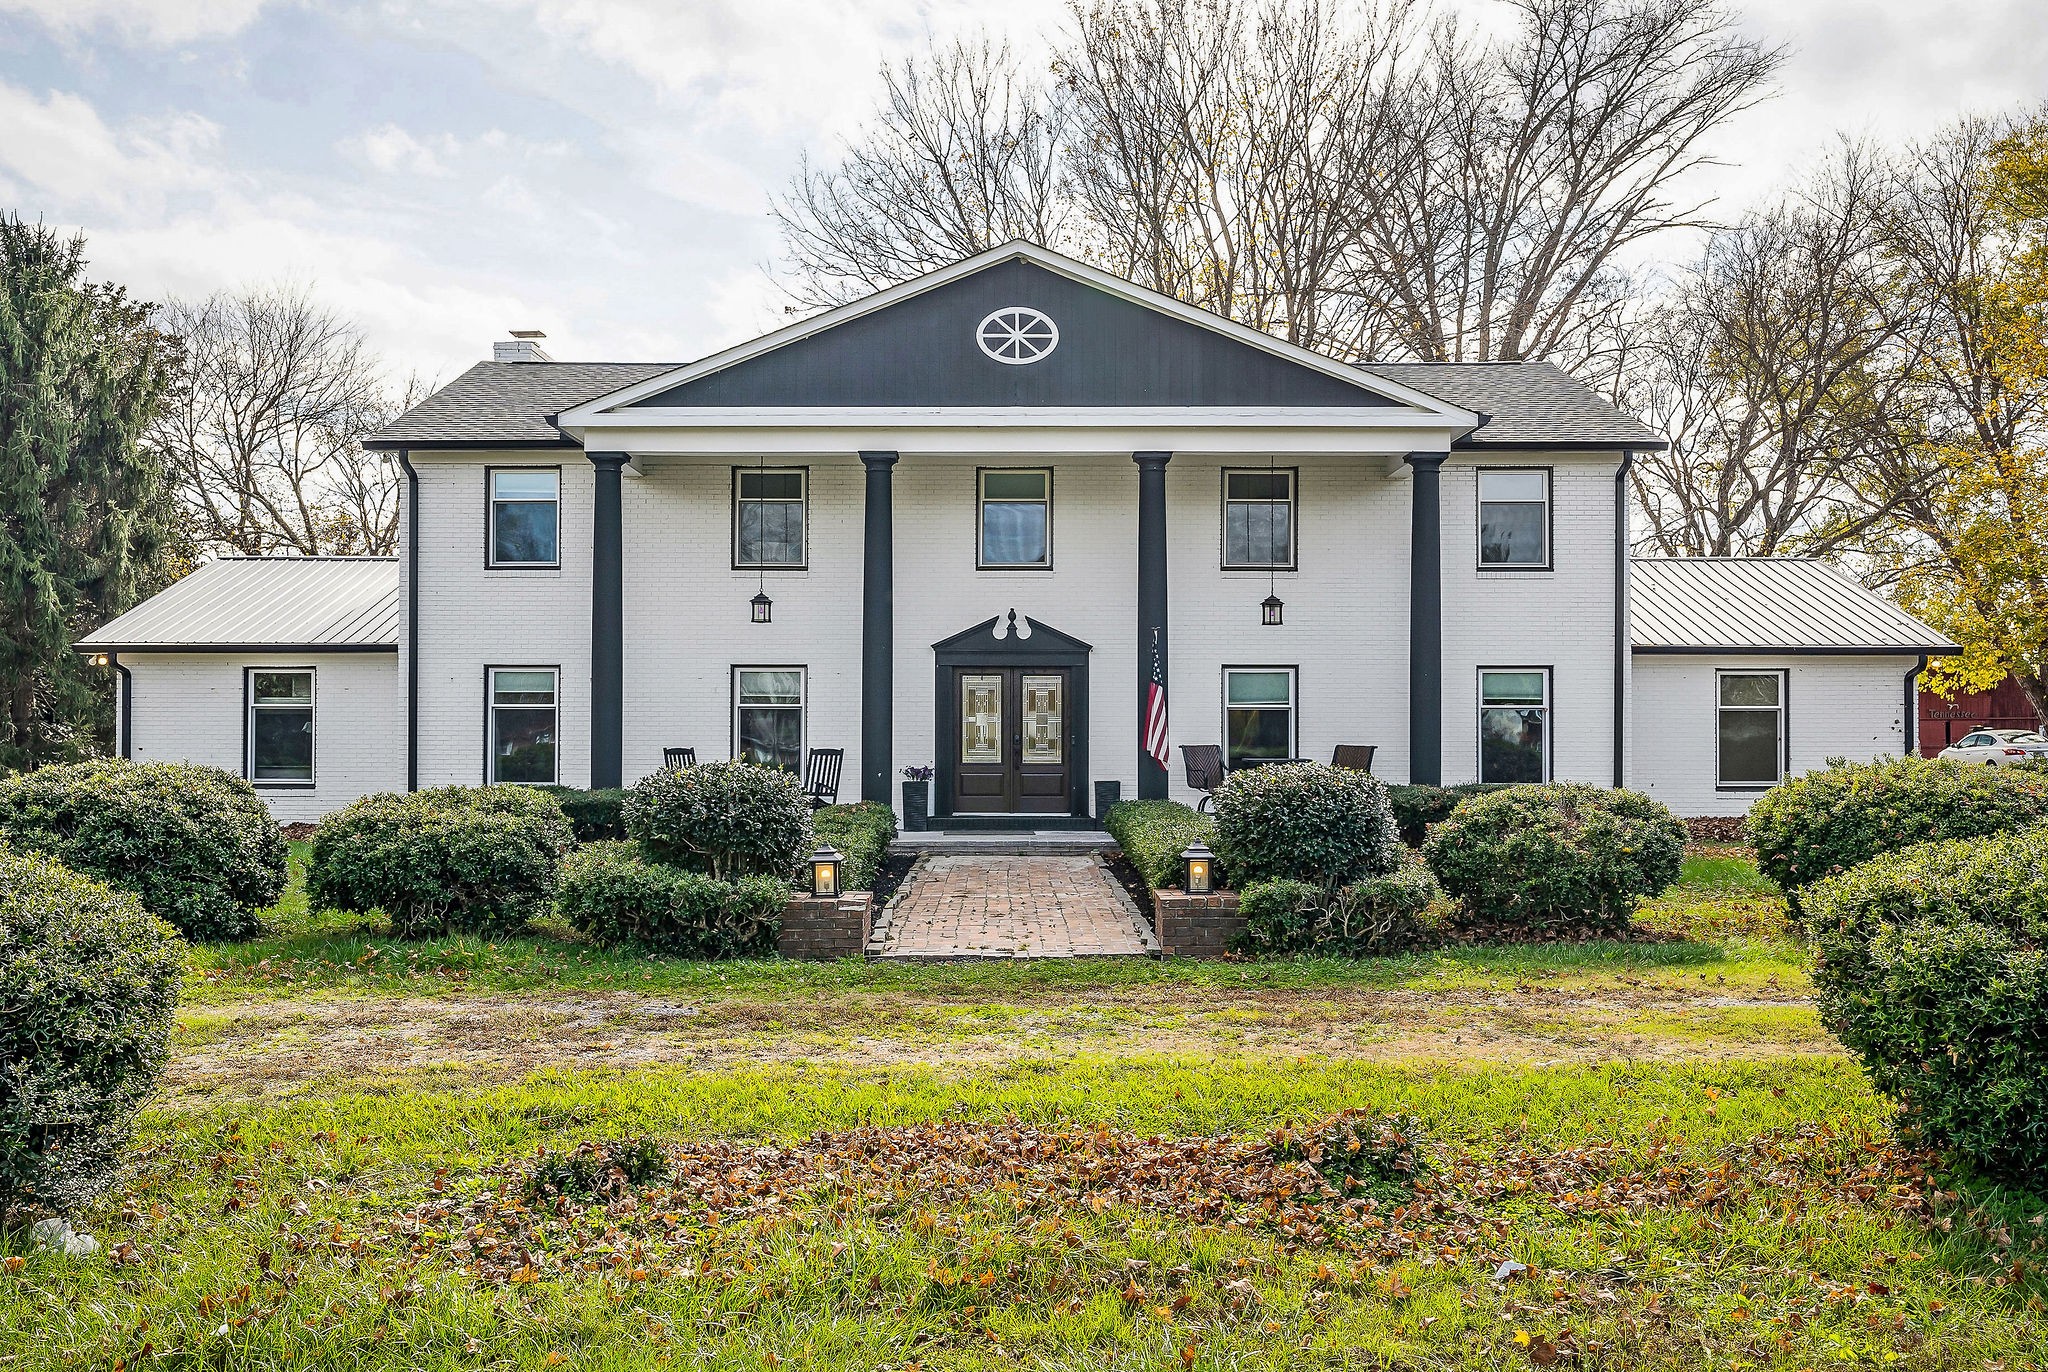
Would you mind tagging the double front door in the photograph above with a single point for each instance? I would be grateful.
(1014, 749)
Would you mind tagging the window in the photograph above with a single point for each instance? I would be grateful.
(768, 716)
(1514, 518)
(1749, 728)
(523, 721)
(525, 513)
(1258, 519)
(768, 518)
(1016, 519)
(1258, 715)
(1514, 724)
(280, 727)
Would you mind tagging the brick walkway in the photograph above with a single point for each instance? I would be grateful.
(1012, 907)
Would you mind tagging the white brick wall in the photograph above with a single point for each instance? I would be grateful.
(188, 707)
(1852, 707)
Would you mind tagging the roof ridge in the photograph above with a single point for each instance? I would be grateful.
(302, 557)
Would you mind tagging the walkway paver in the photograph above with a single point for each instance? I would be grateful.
(1012, 906)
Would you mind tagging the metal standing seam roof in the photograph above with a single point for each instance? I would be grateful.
(1766, 605)
(339, 604)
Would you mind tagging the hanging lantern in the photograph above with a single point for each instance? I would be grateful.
(1269, 610)
(825, 872)
(1198, 869)
(763, 606)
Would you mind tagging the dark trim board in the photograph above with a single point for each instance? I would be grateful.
(444, 445)
(1899, 650)
(412, 617)
(124, 684)
(979, 647)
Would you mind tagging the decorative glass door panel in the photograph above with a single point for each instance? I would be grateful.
(1045, 719)
(981, 719)
(1014, 746)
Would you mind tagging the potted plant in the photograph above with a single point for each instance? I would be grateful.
(917, 799)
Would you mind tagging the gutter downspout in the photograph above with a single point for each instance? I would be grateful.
(1911, 727)
(412, 620)
(1621, 626)
(125, 688)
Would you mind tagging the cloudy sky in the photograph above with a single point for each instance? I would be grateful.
(446, 170)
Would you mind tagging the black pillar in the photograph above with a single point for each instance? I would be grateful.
(1425, 623)
(607, 626)
(1151, 607)
(878, 632)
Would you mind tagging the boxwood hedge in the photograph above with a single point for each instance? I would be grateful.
(724, 819)
(1153, 833)
(1303, 821)
(612, 895)
(1555, 855)
(862, 834)
(1369, 918)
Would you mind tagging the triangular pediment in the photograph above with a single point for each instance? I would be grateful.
(1012, 635)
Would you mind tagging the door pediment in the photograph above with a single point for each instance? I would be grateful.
(1007, 639)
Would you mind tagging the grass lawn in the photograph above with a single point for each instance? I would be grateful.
(1052, 1165)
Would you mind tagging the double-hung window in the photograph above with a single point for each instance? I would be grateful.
(1514, 724)
(768, 716)
(525, 717)
(1749, 729)
(768, 518)
(1015, 518)
(525, 517)
(1258, 715)
(1514, 518)
(280, 729)
(1258, 519)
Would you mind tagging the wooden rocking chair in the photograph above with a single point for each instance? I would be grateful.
(821, 776)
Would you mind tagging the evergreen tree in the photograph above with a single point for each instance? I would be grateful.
(85, 510)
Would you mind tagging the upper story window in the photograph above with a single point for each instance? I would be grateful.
(523, 724)
(768, 716)
(768, 518)
(1258, 715)
(280, 727)
(525, 516)
(1514, 724)
(1258, 519)
(1514, 518)
(1749, 729)
(1015, 519)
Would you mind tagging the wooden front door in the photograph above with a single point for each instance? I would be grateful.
(1011, 725)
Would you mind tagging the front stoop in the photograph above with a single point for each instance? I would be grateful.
(1196, 926)
(833, 927)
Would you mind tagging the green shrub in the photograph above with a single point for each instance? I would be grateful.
(598, 1170)
(595, 816)
(195, 844)
(862, 833)
(1369, 918)
(1153, 833)
(88, 984)
(456, 859)
(725, 819)
(1827, 821)
(1931, 970)
(1562, 854)
(1307, 822)
(1418, 807)
(612, 896)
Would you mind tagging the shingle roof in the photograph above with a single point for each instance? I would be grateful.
(1763, 605)
(333, 603)
(1525, 404)
(507, 403)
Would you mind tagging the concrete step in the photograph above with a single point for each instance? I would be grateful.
(1015, 843)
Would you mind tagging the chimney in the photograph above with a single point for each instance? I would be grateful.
(523, 346)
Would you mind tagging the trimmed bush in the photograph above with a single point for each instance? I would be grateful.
(456, 859)
(1932, 972)
(1369, 918)
(862, 834)
(724, 819)
(595, 816)
(195, 844)
(1152, 834)
(88, 984)
(613, 896)
(1561, 854)
(1418, 807)
(1825, 822)
(1303, 821)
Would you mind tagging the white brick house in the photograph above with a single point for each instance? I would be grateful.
(822, 539)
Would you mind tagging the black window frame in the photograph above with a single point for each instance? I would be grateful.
(1783, 712)
(802, 707)
(249, 708)
(491, 517)
(1479, 504)
(1293, 671)
(1293, 503)
(981, 564)
(803, 564)
(491, 719)
(1549, 708)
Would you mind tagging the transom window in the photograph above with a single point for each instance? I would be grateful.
(524, 719)
(1258, 519)
(768, 716)
(1514, 518)
(280, 727)
(1749, 734)
(525, 516)
(768, 518)
(1258, 715)
(1514, 724)
(1015, 518)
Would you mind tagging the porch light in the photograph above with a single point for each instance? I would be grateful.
(825, 872)
(1269, 610)
(1198, 869)
(763, 607)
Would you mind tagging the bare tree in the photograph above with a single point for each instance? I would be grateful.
(265, 430)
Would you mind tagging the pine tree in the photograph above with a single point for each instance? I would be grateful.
(85, 513)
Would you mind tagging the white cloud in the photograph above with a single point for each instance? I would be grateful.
(59, 151)
(164, 22)
(388, 148)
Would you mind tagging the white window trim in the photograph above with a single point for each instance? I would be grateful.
(802, 502)
(1548, 561)
(491, 723)
(1293, 675)
(1781, 710)
(802, 706)
(491, 558)
(981, 562)
(1293, 504)
(1549, 720)
(249, 708)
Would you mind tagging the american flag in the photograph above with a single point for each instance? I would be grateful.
(1155, 707)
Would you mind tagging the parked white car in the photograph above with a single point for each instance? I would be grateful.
(1996, 747)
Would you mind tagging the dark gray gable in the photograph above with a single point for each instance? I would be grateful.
(998, 639)
(922, 351)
